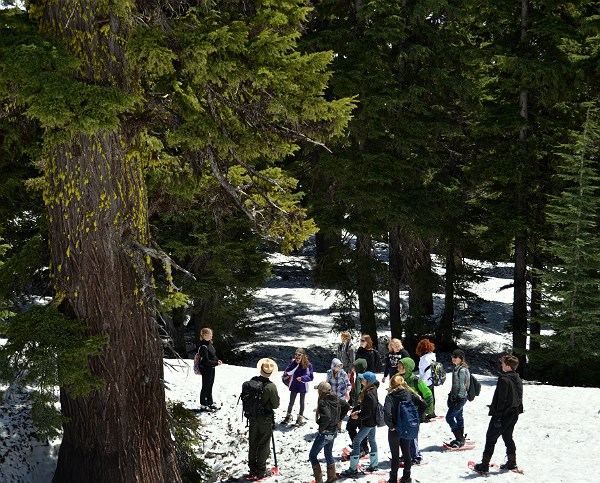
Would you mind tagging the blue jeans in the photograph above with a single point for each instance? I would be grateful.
(364, 432)
(454, 416)
(323, 440)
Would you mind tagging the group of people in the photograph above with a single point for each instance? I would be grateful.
(351, 389)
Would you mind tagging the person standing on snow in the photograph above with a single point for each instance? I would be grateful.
(331, 409)
(340, 383)
(457, 398)
(506, 406)
(396, 351)
(425, 350)
(345, 352)
(406, 366)
(353, 424)
(261, 429)
(399, 391)
(367, 352)
(301, 371)
(367, 414)
(208, 361)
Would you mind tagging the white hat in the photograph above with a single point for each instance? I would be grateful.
(267, 367)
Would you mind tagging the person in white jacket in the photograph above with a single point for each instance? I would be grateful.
(425, 350)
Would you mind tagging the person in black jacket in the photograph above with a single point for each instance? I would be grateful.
(331, 409)
(367, 352)
(399, 391)
(208, 362)
(506, 406)
(367, 413)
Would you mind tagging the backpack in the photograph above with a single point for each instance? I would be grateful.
(378, 364)
(438, 374)
(474, 387)
(407, 420)
(198, 363)
(379, 419)
(251, 396)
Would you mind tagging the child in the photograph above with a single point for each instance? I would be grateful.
(353, 424)
(425, 350)
(397, 392)
(301, 371)
(367, 413)
(368, 353)
(208, 360)
(406, 366)
(457, 398)
(506, 406)
(340, 383)
(345, 352)
(330, 411)
(396, 352)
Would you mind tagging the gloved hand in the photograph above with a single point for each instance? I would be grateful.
(497, 422)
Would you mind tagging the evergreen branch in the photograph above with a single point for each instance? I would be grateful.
(158, 254)
(306, 138)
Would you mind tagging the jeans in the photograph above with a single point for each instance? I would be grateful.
(323, 440)
(364, 432)
(454, 416)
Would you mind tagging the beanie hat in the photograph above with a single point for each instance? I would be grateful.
(267, 367)
(458, 353)
(336, 362)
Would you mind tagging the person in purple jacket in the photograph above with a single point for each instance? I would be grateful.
(301, 374)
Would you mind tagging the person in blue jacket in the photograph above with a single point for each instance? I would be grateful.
(301, 374)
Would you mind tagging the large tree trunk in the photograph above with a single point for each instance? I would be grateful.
(365, 287)
(447, 321)
(520, 270)
(97, 217)
(395, 267)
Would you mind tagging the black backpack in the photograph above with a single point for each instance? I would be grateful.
(251, 396)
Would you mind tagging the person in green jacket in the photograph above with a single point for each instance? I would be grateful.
(406, 366)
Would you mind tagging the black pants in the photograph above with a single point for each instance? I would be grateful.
(398, 444)
(505, 430)
(208, 380)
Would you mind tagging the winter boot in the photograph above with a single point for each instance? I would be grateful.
(484, 466)
(405, 478)
(300, 421)
(511, 463)
(331, 474)
(364, 448)
(287, 419)
(393, 478)
(459, 442)
(353, 467)
(317, 473)
(373, 462)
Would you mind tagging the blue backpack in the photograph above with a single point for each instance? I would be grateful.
(407, 420)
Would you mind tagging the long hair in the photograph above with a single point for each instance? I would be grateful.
(368, 340)
(395, 342)
(397, 382)
(365, 388)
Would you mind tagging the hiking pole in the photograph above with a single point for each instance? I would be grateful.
(274, 470)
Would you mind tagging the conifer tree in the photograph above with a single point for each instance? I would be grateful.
(570, 354)
(210, 88)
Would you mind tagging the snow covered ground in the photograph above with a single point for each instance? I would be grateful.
(556, 436)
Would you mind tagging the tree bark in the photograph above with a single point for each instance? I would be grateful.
(365, 285)
(447, 321)
(395, 267)
(520, 270)
(97, 215)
